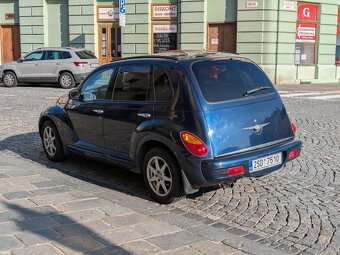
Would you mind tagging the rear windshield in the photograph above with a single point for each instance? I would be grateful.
(85, 54)
(222, 80)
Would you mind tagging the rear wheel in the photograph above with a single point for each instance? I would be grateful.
(162, 176)
(66, 80)
(53, 146)
(10, 79)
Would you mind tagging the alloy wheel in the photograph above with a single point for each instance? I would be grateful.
(49, 139)
(9, 79)
(66, 80)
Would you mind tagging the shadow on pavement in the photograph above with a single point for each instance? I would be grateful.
(65, 233)
(29, 146)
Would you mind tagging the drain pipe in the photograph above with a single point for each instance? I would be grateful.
(277, 41)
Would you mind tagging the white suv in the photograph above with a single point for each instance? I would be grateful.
(66, 66)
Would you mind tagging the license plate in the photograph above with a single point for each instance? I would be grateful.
(265, 162)
(94, 65)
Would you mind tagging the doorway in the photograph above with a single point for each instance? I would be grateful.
(110, 43)
(222, 37)
(10, 43)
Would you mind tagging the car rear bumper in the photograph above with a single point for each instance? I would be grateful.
(214, 171)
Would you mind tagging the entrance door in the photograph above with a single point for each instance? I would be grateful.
(222, 37)
(110, 46)
(10, 43)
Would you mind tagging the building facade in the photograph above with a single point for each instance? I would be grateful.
(293, 41)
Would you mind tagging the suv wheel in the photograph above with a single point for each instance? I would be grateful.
(161, 175)
(52, 143)
(10, 80)
(66, 80)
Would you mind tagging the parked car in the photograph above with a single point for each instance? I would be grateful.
(66, 66)
(183, 120)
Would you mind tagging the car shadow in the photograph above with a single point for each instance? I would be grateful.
(114, 177)
(62, 231)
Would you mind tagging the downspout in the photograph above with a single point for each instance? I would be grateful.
(277, 41)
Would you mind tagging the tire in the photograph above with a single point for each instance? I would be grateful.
(66, 80)
(52, 144)
(162, 190)
(10, 79)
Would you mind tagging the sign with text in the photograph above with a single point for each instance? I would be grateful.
(307, 12)
(164, 37)
(339, 15)
(9, 16)
(122, 13)
(252, 4)
(289, 5)
(305, 32)
(107, 13)
(164, 11)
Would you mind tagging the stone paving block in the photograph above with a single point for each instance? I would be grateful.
(155, 227)
(11, 216)
(24, 180)
(39, 236)
(48, 183)
(50, 191)
(18, 195)
(126, 220)
(175, 240)
(3, 176)
(182, 251)
(78, 244)
(8, 243)
(84, 228)
(216, 234)
(9, 228)
(53, 199)
(111, 250)
(43, 222)
(83, 204)
(39, 211)
(178, 220)
(141, 247)
(38, 249)
(237, 231)
(212, 248)
(79, 216)
(116, 210)
(253, 237)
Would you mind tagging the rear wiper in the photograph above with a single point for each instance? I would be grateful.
(252, 91)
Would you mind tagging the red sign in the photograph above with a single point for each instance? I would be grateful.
(338, 31)
(339, 15)
(308, 12)
(305, 32)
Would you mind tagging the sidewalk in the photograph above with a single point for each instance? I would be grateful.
(317, 87)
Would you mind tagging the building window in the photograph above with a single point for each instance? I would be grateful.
(306, 33)
(337, 55)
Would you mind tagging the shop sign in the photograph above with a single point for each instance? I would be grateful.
(107, 13)
(9, 16)
(338, 31)
(305, 32)
(164, 11)
(165, 28)
(289, 5)
(164, 37)
(339, 15)
(307, 12)
(252, 4)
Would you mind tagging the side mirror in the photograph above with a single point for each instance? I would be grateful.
(74, 94)
(20, 60)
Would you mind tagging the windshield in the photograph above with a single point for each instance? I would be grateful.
(85, 55)
(222, 80)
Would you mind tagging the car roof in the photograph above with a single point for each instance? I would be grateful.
(60, 48)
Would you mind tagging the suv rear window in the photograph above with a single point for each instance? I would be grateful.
(85, 54)
(222, 80)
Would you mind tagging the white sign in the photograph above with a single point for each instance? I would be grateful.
(252, 4)
(214, 41)
(164, 29)
(289, 5)
(122, 19)
(164, 11)
(108, 13)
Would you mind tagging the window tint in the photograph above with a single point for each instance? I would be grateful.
(53, 55)
(162, 86)
(66, 55)
(38, 55)
(95, 86)
(229, 79)
(132, 83)
(85, 54)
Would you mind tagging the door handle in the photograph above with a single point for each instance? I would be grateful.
(99, 111)
(58, 64)
(144, 115)
(36, 64)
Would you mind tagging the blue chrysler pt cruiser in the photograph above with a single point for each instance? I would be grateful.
(184, 120)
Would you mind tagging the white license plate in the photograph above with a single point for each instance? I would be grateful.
(94, 65)
(265, 162)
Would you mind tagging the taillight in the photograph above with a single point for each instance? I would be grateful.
(235, 170)
(195, 145)
(293, 126)
(80, 64)
(293, 154)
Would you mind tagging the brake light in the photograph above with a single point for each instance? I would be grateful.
(293, 154)
(293, 126)
(80, 64)
(193, 144)
(235, 170)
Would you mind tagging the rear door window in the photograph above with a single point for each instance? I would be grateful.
(162, 86)
(222, 80)
(85, 54)
(53, 55)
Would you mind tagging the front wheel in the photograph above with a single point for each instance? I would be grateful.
(66, 81)
(53, 146)
(10, 80)
(162, 176)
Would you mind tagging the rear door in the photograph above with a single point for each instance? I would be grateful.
(238, 120)
(128, 109)
(52, 65)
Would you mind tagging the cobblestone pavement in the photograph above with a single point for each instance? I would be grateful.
(295, 210)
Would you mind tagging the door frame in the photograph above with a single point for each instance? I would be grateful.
(109, 26)
(219, 23)
(2, 39)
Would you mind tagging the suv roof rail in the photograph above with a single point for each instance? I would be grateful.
(68, 48)
(148, 56)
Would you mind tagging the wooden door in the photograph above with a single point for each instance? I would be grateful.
(10, 43)
(110, 46)
(222, 37)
